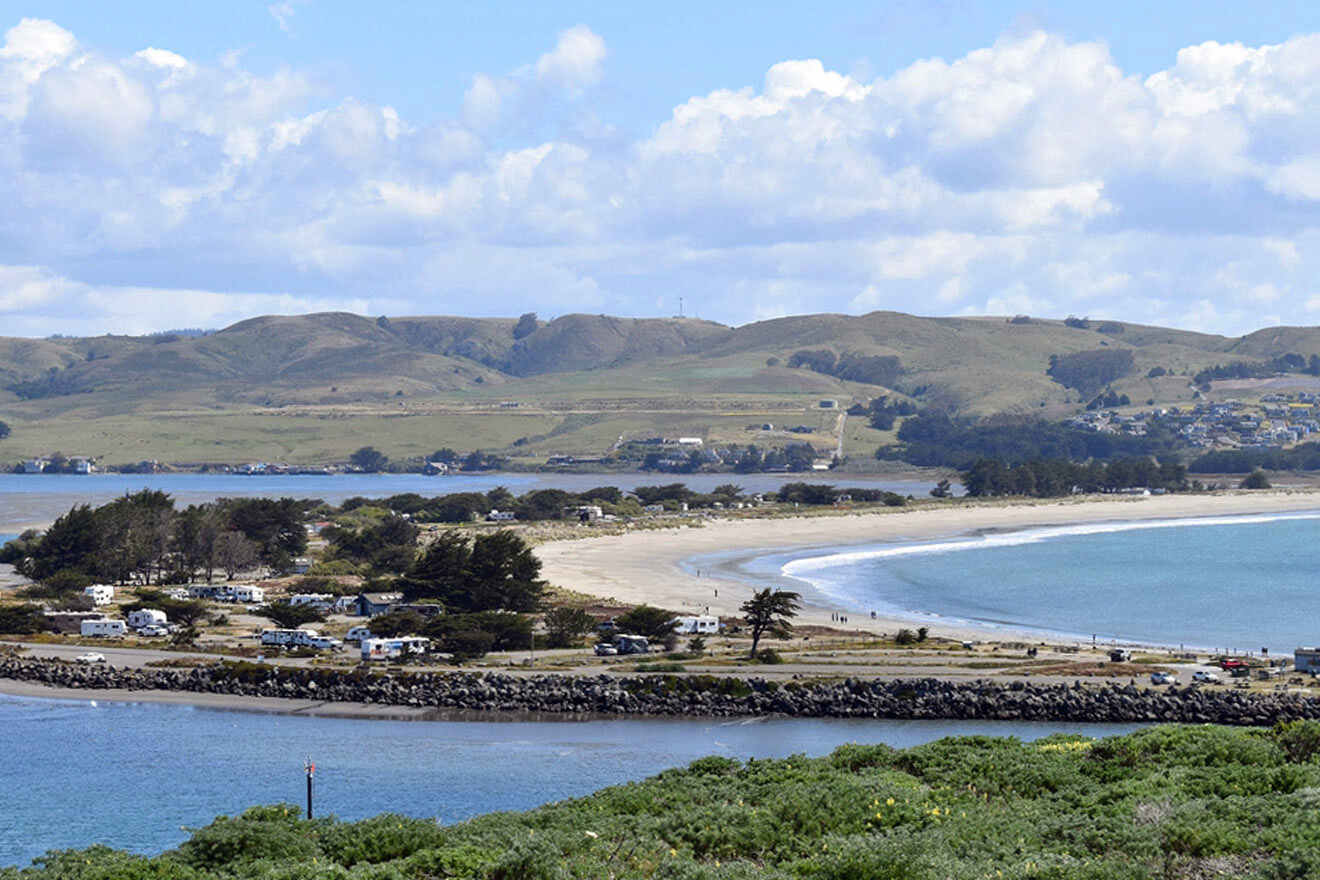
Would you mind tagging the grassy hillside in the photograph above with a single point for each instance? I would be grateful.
(315, 387)
(1172, 802)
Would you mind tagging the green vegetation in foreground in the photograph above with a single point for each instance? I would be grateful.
(1184, 802)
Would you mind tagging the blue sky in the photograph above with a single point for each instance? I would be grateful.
(190, 165)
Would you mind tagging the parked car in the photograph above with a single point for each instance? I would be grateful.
(1207, 677)
(153, 631)
(605, 649)
(89, 658)
(1162, 678)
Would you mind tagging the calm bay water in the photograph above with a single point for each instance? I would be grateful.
(130, 774)
(1235, 582)
(27, 499)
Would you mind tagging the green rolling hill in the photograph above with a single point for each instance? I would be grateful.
(312, 388)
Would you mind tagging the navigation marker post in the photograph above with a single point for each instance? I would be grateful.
(310, 768)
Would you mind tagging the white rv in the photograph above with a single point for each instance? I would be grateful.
(145, 617)
(316, 600)
(703, 624)
(389, 649)
(299, 638)
(247, 593)
(100, 594)
(107, 629)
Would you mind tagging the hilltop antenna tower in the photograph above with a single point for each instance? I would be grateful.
(680, 306)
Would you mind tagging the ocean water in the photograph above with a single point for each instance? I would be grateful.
(1239, 583)
(132, 775)
(37, 498)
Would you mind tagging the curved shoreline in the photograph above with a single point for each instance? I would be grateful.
(661, 567)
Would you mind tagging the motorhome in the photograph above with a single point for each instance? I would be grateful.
(247, 593)
(630, 644)
(390, 649)
(299, 638)
(145, 617)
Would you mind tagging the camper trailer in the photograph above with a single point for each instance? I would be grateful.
(104, 629)
(100, 594)
(703, 624)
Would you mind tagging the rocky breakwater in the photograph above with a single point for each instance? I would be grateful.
(691, 695)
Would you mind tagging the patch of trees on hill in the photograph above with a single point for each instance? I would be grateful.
(881, 413)
(1302, 457)
(54, 383)
(1285, 363)
(4, 430)
(936, 439)
(1089, 371)
(867, 368)
(1052, 478)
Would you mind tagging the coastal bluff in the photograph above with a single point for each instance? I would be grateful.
(691, 696)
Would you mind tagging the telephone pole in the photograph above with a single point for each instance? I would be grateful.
(310, 768)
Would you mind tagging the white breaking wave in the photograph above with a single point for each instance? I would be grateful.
(803, 567)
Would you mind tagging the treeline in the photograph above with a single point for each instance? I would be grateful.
(1052, 478)
(556, 504)
(936, 439)
(1089, 371)
(1303, 457)
(1286, 363)
(142, 538)
(868, 368)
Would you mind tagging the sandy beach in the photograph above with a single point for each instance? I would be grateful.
(647, 566)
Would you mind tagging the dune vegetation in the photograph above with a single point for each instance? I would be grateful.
(1165, 802)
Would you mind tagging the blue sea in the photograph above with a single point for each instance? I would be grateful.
(135, 775)
(1237, 583)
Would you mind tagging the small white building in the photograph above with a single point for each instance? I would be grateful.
(104, 629)
(390, 649)
(100, 594)
(703, 624)
(145, 617)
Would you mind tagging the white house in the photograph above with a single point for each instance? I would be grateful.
(111, 629)
(100, 594)
(389, 649)
(697, 623)
(144, 617)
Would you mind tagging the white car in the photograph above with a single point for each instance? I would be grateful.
(153, 631)
(604, 649)
(89, 658)
(1207, 677)
(1162, 678)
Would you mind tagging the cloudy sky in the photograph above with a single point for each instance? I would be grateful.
(171, 167)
